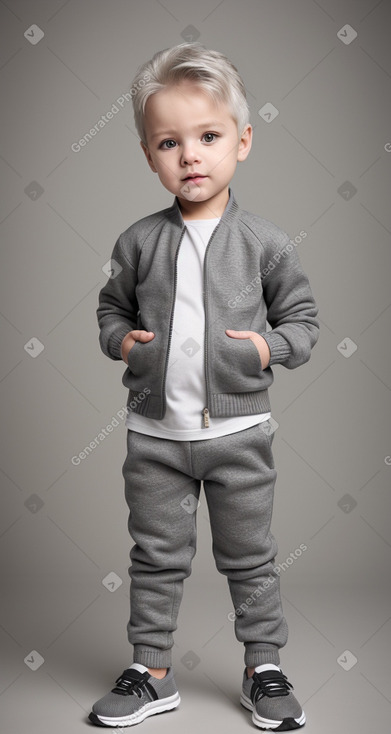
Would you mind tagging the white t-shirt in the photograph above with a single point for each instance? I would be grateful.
(185, 380)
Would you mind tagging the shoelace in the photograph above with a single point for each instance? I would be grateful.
(270, 683)
(126, 685)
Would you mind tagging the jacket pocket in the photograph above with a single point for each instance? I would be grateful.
(143, 356)
(245, 354)
(146, 362)
(133, 363)
(236, 365)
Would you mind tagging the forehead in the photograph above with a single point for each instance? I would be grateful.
(185, 101)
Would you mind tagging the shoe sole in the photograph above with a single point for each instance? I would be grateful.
(155, 707)
(287, 724)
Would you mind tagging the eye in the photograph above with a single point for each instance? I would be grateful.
(166, 144)
(214, 135)
(163, 144)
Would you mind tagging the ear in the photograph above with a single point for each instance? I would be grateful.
(148, 156)
(245, 143)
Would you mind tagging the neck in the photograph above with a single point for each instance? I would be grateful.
(210, 209)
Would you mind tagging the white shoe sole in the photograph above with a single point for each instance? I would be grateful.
(154, 707)
(267, 723)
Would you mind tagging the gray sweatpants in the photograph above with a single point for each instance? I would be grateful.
(162, 487)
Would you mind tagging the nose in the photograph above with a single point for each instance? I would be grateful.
(189, 153)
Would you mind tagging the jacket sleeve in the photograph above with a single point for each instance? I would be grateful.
(291, 308)
(118, 307)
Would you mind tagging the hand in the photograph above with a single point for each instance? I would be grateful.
(260, 343)
(129, 340)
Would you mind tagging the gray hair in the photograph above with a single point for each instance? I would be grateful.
(210, 70)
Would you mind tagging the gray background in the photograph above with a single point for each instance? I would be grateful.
(63, 528)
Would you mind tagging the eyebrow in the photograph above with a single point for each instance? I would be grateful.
(211, 123)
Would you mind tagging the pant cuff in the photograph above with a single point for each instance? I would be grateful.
(152, 657)
(256, 654)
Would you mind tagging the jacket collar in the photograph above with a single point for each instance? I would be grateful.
(229, 214)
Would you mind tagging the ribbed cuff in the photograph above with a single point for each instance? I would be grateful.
(152, 657)
(279, 348)
(256, 654)
(115, 341)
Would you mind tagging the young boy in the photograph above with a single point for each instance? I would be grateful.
(186, 308)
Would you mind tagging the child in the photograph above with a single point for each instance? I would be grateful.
(186, 308)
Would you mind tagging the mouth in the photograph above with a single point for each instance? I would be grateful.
(196, 178)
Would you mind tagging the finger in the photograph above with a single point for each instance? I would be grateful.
(141, 336)
(238, 334)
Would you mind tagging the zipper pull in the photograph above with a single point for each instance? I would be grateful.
(206, 417)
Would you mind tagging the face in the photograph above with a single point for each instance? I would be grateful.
(188, 133)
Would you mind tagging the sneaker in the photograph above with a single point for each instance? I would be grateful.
(268, 695)
(136, 695)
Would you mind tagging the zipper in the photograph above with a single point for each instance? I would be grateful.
(205, 411)
(171, 323)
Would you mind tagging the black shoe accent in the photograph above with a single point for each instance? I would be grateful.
(94, 719)
(288, 725)
(270, 683)
(132, 681)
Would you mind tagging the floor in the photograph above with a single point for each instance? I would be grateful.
(337, 657)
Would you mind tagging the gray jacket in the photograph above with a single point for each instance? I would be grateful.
(252, 273)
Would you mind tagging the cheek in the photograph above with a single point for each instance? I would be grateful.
(226, 158)
(165, 166)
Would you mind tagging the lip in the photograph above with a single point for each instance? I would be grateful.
(194, 179)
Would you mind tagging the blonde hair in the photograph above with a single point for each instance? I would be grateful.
(210, 70)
